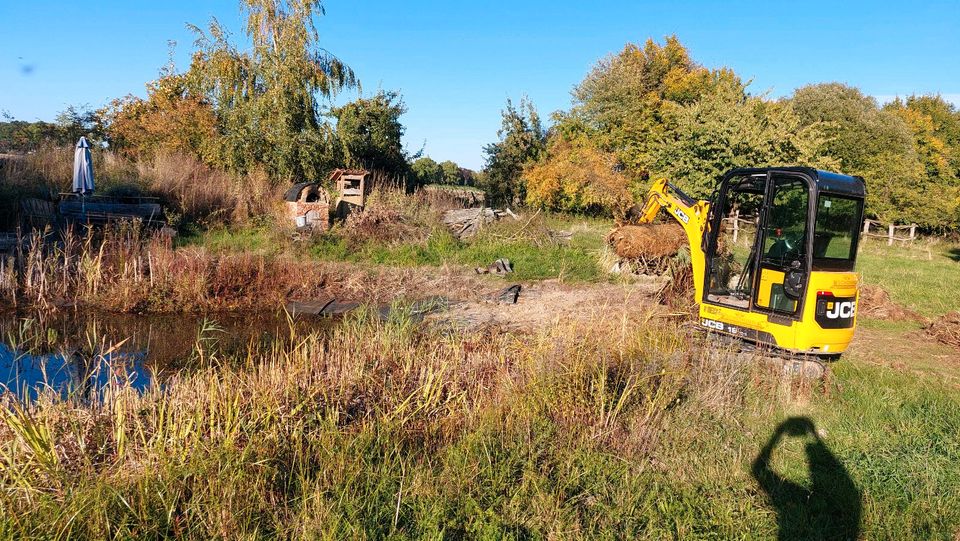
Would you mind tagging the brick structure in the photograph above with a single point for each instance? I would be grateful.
(308, 206)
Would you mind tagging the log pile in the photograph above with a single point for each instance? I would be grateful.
(466, 222)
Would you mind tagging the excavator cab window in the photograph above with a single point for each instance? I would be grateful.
(784, 243)
(761, 239)
(836, 232)
(733, 261)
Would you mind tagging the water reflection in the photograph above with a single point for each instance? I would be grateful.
(71, 374)
(81, 353)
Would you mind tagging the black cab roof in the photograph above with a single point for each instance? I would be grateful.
(825, 180)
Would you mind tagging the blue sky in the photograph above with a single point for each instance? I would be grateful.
(456, 63)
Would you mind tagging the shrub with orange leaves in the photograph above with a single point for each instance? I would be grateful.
(577, 176)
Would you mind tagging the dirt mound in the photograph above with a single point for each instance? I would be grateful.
(875, 303)
(946, 329)
(646, 241)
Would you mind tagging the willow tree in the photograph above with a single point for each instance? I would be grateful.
(267, 97)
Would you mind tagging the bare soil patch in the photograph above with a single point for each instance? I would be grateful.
(545, 304)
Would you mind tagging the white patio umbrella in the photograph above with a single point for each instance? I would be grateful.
(82, 172)
(82, 168)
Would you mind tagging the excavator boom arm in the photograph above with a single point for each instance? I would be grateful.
(692, 216)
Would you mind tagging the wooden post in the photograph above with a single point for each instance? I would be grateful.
(866, 227)
(890, 235)
(736, 225)
(913, 232)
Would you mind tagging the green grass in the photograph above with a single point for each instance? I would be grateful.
(260, 239)
(922, 276)
(575, 260)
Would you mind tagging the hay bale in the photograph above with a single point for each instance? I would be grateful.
(875, 303)
(946, 329)
(647, 241)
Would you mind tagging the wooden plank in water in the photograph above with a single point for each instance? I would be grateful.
(311, 307)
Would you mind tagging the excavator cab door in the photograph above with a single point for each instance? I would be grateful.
(757, 258)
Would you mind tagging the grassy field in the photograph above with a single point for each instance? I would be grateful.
(535, 255)
(921, 275)
(609, 427)
(385, 429)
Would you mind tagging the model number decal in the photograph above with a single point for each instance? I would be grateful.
(719, 326)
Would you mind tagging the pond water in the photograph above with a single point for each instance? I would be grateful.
(81, 352)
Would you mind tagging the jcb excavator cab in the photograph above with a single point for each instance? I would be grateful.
(779, 251)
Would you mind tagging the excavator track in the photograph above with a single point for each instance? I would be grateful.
(791, 364)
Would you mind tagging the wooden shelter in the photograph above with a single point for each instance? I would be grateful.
(353, 187)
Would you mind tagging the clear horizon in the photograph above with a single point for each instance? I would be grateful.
(456, 65)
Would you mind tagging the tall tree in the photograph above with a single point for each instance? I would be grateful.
(266, 98)
(522, 140)
(451, 172)
(170, 120)
(628, 100)
(935, 125)
(875, 144)
(574, 175)
(426, 171)
(727, 129)
(370, 132)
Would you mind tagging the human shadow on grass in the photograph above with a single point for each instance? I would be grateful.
(829, 509)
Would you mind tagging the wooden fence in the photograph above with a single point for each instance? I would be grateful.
(891, 233)
(871, 228)
(733, 221)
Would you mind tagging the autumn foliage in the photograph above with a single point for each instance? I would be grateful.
(576, 175)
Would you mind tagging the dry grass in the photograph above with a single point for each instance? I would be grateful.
(208, 196)
(190, 190)
(359, 433)
(122, 269)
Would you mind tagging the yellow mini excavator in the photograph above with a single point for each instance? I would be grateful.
(773, 255)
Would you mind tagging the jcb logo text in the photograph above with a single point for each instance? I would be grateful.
(841, 310)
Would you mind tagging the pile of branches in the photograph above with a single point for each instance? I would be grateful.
(466, 222)
(946, 329)
(381, 223)
(876, 303)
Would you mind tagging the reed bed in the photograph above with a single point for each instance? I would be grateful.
(375, 429)
(122, 268)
